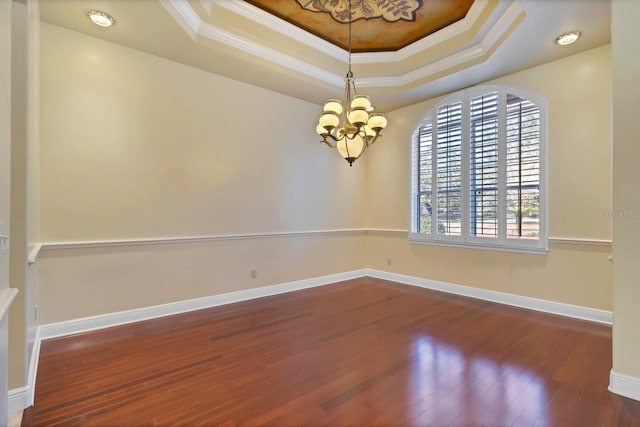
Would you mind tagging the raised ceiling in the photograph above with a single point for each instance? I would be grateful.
(236, 39)
(376, 26)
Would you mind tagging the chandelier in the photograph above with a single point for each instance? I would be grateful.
(353, 126)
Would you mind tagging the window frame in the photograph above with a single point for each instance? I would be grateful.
(501, 242)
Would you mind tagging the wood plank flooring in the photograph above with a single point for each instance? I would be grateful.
(363, 352)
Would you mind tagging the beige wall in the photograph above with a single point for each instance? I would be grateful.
(134, 146)
(625, 40)
(137, 146)
(577, 90)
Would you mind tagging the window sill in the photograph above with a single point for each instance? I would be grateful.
(534, 250)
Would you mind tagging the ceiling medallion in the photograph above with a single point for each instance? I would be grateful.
(389, 10)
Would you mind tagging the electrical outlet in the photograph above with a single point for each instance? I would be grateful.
(388, 261)
(254, 274)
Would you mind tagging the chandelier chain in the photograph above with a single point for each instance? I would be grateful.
(351, 125)
(350, 19)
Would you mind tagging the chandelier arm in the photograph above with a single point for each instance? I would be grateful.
(325, 141)
(374, 139)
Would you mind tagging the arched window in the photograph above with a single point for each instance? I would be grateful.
(478, 172)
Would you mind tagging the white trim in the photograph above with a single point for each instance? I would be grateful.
(580, 241)
(230, 39)
(191, 22)
(418, 239)
(281, 26)
(184, 15)
(18, 399)
(312, 41)
(6, 298)
(624, 385)
(34, 250)
(387, 231)
(86, 324)
(23, 397)
(562, 309)
(194, 239)
(557, 240)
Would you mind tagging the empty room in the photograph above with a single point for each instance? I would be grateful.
(327, 212)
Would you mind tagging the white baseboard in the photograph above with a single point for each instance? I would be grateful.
(624, 385)
(19, 399)
(22, 397)
(567, 310)
(86, 324)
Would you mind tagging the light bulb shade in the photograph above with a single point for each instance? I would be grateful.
(358, 117)
(370, 133)
(377, 122)
(361, 102)
(333, 105)
(320, 130)
(329, 120)
(351, 149)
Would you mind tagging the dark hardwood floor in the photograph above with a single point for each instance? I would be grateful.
(363, 352)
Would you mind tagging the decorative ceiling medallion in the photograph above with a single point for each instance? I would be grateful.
(389, 10)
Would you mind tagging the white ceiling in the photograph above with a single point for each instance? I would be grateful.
(235, 39)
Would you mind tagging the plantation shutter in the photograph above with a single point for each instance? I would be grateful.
(523, 168)
(425, 183)
(449, 169)
(483, 165)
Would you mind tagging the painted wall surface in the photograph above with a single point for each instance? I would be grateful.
(577, 90)
(5, 153)
(135, 146)
(18, 248)
(24, 174)
(85, 282)
(625, 39)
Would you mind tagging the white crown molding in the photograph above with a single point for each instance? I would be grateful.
(267, 53)
(440, 36)
(624, 385)
(188, 19)
(206, 4)
(513, 13)
(281, 26)
(428, 70)
(184, 15)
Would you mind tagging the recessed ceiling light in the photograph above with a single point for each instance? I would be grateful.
(568, 38)
(100, 18)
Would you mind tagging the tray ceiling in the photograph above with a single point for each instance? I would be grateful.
(377, 26)
(237, 39)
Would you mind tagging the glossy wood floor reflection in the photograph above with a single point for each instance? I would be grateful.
(362, 353)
